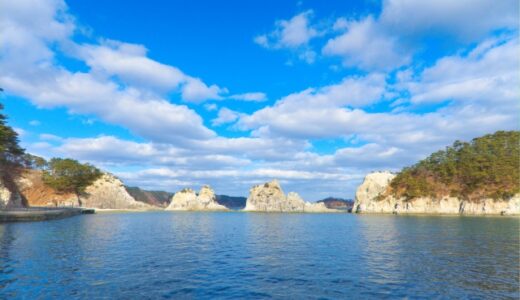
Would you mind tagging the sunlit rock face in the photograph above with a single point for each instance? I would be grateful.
(110, 193)
(187, 199)
(269, 197)
(368, 200)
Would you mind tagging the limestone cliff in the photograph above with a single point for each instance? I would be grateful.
(187, 199)
(269, 197)
(369, 199)
(107, 192)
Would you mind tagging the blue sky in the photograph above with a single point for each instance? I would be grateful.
(234, 93)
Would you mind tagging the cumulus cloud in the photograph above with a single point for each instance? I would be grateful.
(225, 116)
(291, 33)
(367, 46)
(488, 75)
(388, 41)
(294, 34)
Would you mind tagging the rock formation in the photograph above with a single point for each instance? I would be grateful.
(187, 199)
(107, 192)
(370, 199)
(9, 197)
(269, 197)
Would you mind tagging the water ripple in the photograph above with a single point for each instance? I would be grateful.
(260, 256)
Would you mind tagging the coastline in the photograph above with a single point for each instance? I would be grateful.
(41, 214)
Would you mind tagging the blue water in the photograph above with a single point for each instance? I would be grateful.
(248, 256)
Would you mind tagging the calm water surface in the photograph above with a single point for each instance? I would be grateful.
(248, 255)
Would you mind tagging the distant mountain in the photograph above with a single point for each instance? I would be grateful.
(157, 198)
(337, 203)
(232, 202)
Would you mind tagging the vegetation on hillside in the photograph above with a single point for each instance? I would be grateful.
(69, 175)
(486, 167)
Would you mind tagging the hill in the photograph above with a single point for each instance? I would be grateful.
(156, 198)
(337, 203)
(486, 167)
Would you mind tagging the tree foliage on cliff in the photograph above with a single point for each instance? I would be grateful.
(69, 175)
(10, 150)
(486, 167)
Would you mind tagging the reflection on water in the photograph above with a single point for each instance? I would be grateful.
(248, 255)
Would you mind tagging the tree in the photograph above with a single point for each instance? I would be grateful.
(10, 151)
(70, 176)
(34, 162)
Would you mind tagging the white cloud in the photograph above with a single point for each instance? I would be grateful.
(488, 75)
(50, 137)
(465, 19)
(255, 97)
(195, 90)
(26, 26)
(305, 114)
(210, 106)
(292, 33)
(225, 116)
(389, 40)
(129, 61)
(35, 123)
(365, 45)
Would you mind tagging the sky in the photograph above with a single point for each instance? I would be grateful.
(316, 94)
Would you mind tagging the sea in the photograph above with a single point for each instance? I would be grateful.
(235, 255)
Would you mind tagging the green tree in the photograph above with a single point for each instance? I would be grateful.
(10, 151)
(70, 176)
(34, 162)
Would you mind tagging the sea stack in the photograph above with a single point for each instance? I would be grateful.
(187, 199)
(269, 197)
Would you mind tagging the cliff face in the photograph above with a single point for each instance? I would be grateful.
(269, 197)
(9, 197)
(107, 192)
(38, 194)
(376, 183)
(187, 199)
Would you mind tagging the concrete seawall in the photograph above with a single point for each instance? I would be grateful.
(41, 214)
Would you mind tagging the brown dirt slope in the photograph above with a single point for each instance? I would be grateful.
(38, 194)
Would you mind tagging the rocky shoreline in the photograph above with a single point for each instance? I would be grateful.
(371, 198)
(108, 194)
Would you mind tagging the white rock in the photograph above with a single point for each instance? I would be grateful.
(187, 199)
(269, 197)
(108, 192)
